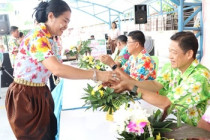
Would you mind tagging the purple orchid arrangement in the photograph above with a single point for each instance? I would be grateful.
(132, 121)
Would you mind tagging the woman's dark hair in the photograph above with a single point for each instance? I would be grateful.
(187, 41)
(56, 37)
(21, 34)
(122, 38)
(137, 36)
(57, 7)
(114, 24)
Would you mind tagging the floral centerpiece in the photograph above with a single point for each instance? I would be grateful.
(71, 52)
(89, 62)
(134, 123)
(104, 98)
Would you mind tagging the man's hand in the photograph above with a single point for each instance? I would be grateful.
(124, 83)
(121, 86)
(204, 125)
(106, 59)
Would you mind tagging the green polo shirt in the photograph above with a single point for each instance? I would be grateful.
(190, 89)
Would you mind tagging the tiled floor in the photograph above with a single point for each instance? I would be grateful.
(5, 130)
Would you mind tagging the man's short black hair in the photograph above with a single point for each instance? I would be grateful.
(187, 41)
(122, 38)
(13, 28)
(137, 36)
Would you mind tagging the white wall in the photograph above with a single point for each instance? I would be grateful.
(206, 33)
(161, 44)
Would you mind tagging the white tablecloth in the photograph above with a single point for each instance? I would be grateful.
(73, 90)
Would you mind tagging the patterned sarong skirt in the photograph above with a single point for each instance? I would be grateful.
(30, 112)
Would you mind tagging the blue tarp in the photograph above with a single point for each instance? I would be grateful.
(57, 95)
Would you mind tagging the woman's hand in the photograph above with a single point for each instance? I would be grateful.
(108, 77)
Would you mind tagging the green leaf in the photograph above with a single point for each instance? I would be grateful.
(161, 124)
(106, 108)
(163, 129)
(114, 108)
(109, 98)
(150, 138)
(178, 119)
(110, 110)
(155, 117)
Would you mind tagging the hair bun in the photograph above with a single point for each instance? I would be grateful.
(40, 12)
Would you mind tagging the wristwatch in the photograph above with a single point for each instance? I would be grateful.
(114, 66)
(134, 90)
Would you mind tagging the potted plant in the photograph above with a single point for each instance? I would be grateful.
(71, 53)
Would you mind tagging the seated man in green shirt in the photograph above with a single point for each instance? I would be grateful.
(186, 81)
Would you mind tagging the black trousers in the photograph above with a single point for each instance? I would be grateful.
(52, 84)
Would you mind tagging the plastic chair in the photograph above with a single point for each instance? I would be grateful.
(155, 58)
